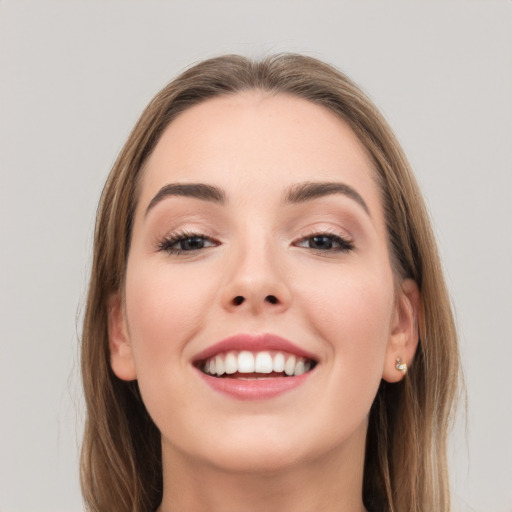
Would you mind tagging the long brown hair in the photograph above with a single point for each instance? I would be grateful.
(405, 466)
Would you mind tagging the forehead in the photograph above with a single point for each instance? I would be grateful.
(258, 142)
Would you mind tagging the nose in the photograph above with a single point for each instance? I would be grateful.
(256, 283)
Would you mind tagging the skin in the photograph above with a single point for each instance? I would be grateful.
(302, 450)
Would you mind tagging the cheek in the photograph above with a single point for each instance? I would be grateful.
(352, 312)
(165, 308)
(355, 304)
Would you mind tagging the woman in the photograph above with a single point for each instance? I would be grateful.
(267, 325)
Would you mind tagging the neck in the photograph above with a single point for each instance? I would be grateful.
(330, 483)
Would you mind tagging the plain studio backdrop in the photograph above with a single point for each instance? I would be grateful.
(74, 77)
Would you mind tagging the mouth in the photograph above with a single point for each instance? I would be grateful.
(255, 365)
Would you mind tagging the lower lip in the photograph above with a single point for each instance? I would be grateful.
(260, 389)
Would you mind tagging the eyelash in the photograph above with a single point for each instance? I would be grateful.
(168, 243)
(344, 245)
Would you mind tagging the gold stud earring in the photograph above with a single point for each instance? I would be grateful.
(401, 367)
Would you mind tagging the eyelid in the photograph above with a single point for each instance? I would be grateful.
(165, 243)
(321, 230)
(346, 243)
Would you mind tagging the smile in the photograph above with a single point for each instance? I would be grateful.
(254, 366)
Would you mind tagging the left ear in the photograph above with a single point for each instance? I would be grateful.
(404, 336)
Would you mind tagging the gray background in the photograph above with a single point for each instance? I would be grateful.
(75, 75)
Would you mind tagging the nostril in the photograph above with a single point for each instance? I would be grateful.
(272, 299)
(238, 300)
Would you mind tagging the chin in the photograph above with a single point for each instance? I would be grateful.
(258, 460)
(261, 448)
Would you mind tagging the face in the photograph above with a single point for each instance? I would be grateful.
(259, 313)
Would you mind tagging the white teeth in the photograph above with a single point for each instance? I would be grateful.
(263, 363)
(299, 368)
(245, 362)
(231, 363)
(278, 365)
(219, 365)
(289, 367)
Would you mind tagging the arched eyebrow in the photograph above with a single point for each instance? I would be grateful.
(298, 193)
(196, 190)
(302, 192)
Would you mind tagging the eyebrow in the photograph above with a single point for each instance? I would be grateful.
(299, 193)
(307, 191)
(196, 190)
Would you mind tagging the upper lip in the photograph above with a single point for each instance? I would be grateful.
(253, 343)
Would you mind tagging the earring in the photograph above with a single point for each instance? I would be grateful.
(401, 367)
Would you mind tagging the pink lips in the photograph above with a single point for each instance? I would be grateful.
(253, 343)
(253, 389)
